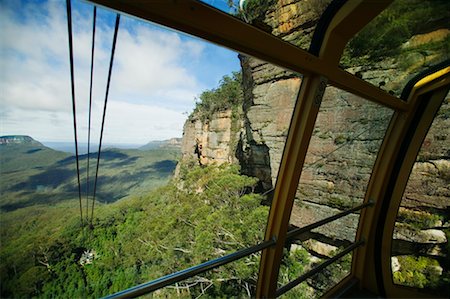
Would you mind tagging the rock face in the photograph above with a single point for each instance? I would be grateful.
(269, 96)
(346, 139)
(211, 141)
(18, 139)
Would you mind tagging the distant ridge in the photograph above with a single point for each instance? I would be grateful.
(173, 143)
(18, 139)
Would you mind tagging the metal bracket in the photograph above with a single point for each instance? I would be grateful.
(320, 91)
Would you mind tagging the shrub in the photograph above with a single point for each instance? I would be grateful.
(229, 94)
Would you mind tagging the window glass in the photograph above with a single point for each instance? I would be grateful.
(292, 21)
(192, 143)
(346, 138)
(405, 39)
(420, 249)
(297, 262)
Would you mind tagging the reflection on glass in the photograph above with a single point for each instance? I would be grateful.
(293, 21)
(344, 145)
(405, 39)
(420, 249)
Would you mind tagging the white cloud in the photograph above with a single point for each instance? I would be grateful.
(150, 87)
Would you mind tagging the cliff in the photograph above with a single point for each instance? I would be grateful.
(346, 139)
(18, 139)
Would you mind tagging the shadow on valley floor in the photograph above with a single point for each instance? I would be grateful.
(167, 166)
(50, 178)
(107, 155)
(32, 151)
(57, 184)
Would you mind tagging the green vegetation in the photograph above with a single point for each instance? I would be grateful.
(33, 175)
(419, 272)
(384, 36)
(419, 220)
(228, 95)
(205, 214)
(295, 262)
(254, 9)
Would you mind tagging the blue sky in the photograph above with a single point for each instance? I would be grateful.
(157, 74)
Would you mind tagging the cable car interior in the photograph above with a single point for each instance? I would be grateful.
(410, 115)
(375, 137)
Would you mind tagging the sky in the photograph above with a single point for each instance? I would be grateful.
(157, 74)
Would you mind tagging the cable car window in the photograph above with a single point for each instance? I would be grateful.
(405, 39)
(420, 248)
(346, 138)
(192, 143)
(292, 21)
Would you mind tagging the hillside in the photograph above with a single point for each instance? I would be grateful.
(34, 174)
(23, 152)
(173, 143)
(149, 223)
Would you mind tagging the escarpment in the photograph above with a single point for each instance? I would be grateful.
(347, 136)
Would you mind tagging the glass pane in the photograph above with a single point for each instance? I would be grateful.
(193, 140)
(296, 263)
(292, 21)
(405, 39)
(420, 249)
(346, 138)
(234, 280)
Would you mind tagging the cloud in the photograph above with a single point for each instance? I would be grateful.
(151, 83)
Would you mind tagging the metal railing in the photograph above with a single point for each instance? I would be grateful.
(301, 230)
(317, 269)
(212, 264)
(190, 272)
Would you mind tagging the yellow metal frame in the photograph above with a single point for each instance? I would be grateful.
(433, 89)
(198, 19)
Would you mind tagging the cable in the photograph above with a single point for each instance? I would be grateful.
(90, 110)
(69, 29)
(116, 29)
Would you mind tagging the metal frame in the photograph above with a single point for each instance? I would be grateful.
(301, 230)
(189, 272)
(427, 95)
(198, 19)
(212, 264)
(317, 269)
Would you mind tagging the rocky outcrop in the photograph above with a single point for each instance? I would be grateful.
(269, 96)
(211, 141)
(18, 139)
(346, 139)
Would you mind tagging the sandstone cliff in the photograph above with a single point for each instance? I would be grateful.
(346, 139)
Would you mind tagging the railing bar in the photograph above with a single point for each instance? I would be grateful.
(317, 269)
(295, 232)
(189, 272)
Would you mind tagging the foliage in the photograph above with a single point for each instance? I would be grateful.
(228, 95)
(419, 272)
(255, 9)
(400, 21)
(138, 239)
(418, 220)
(294, 264)
(333, 274)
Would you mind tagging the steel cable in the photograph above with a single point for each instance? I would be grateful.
(90, 111)
(72, 81)
(116, 29)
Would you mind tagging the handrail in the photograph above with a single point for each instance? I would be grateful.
(212, 264)
(189, 272)
(317, 269)
(298, 231)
